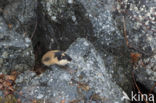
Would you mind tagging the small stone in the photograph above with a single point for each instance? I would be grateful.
(19, 79)
(54, 18)
(5, 54)
(1, 36)
(74, 18)
(27, 40)
(40, 96)
(70, 1)
(1, 61)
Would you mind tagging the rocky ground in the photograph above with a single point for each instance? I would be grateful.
(108, 42)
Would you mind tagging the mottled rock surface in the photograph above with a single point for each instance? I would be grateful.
(99, 66)
(109, 41)
(16, 51)
(141, 34)
(94, 21)
(86, 79)
(21, 15)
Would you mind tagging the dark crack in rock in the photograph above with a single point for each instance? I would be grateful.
(84, 78)
(67, 22)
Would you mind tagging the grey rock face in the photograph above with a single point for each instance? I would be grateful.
(100, 15)
(146, 74)
(140, 23)
(109, 40)
(141, 34)
(93, 70)
(85, 76)
(16, 52)
(94, 21)
(20, 11)
(61, 22)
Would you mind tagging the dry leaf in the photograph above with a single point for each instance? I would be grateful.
(18, 100)
(34, 101)
(75, 101)
(1, 75)
(135, 57)
(84, 87)
(1, 86)
(10, 77)
(62, 101)
(10, 26)
(11, 88)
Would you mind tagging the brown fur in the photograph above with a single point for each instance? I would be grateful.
(49, 58)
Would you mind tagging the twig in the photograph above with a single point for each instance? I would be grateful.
(152, 88)
(138, 87)
(125, 31)
(34, 30)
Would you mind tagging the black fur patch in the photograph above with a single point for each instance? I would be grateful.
(66, 57)
(60, 56)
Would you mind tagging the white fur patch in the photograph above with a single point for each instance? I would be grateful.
(63, 62)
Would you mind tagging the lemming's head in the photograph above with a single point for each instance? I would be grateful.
(63, 58)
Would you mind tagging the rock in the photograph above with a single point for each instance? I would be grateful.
(15, 49)
(65, 21)
(146, 74)
(140, 25)
(109, 41)
(20, 15)
(15, 45)
(88, 79)
(3, 3)
(100, 15)
(20, 10)
(5, 55)
(61, 23)
(92, 70)
(1, 62)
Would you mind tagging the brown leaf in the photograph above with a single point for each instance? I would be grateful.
(1, 80)
(84, 87)
(14, 73)
(10, 77)
(1, 86)
(7, 83)
(34, 101)
(1, 76)
(135, 57)
(11, 88)
(62, 101)
(10, 26)
(18, 100)
(75, 101)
